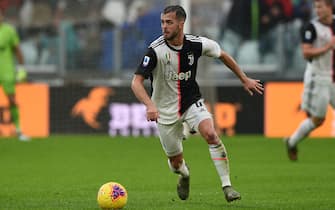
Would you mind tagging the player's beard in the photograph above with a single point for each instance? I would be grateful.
(172, 36)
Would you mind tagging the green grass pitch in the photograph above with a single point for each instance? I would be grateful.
(65, 172)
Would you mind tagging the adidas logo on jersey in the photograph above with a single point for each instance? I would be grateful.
(181, 76)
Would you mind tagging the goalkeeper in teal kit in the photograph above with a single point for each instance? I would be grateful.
(9, 49)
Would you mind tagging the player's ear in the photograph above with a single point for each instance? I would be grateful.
(181, 23)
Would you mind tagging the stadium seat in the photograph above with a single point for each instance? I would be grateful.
(29, 51)
(107, 54)
(230, 42)
(248, 53)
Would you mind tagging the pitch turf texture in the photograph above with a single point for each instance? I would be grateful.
(65, 172)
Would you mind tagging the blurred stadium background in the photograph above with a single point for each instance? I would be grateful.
(81, 40)
(81, 55)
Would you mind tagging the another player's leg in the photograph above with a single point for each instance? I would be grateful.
(304, 129)
(292, 151)
(220, 159)
(315, 101)
(14, 111)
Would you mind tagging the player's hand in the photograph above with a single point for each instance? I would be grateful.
(251, 86)
(21, 74)
(152, 113)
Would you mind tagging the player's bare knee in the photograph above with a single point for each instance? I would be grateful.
(175, 162)
(11, 100)
(211, 137)
(318, 121)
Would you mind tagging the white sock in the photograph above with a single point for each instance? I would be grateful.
(302, 131)
(220, 159)
(182, 170)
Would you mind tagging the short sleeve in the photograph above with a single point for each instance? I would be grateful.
(14, 37)
(210, 48)
(148, 64)
(308, 34)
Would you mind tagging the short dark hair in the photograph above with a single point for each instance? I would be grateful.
(180, 12)
(328, 2)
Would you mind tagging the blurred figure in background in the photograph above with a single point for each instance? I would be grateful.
(302, 10)
(9, 49)
(238, 26)
(318, 44)
(272, 13)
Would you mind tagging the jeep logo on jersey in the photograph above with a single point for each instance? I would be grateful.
(179, 76)
(190, 59)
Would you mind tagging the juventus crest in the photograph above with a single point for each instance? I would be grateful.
(190, 57)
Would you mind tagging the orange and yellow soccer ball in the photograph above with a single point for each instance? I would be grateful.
(112, 195)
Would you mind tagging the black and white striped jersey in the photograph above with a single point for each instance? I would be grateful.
(173, 74)
(318, 35)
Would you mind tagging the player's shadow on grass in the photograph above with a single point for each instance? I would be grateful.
(202, 205)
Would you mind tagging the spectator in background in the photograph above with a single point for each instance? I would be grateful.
(226, 7)
(238, 26)
(65, 23)
(136, 9)
(9, 49)
(141, 28)
(302, 10)
(114, 11)
(242, 31)
(133, 44)
(147, 23)
(107, 44)
(301, 14)
(71, 43)
(117, 15)
(26, 13)
(272, 13)
(239, 20)
(5, 4)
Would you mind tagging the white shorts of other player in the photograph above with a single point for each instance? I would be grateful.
(319, 91)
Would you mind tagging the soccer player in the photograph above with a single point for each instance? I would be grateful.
(171, 64)
(317, 46)
(9, 49)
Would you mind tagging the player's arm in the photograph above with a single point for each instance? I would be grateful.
(137, 85)
(15, 44)
(232, 65)
(19, 55)
(309, 51)
(308, 36)
(21, 73)
(249, 84)
(212, 49)
(142, 95)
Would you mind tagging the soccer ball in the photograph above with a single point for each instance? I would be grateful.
(112, 195)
